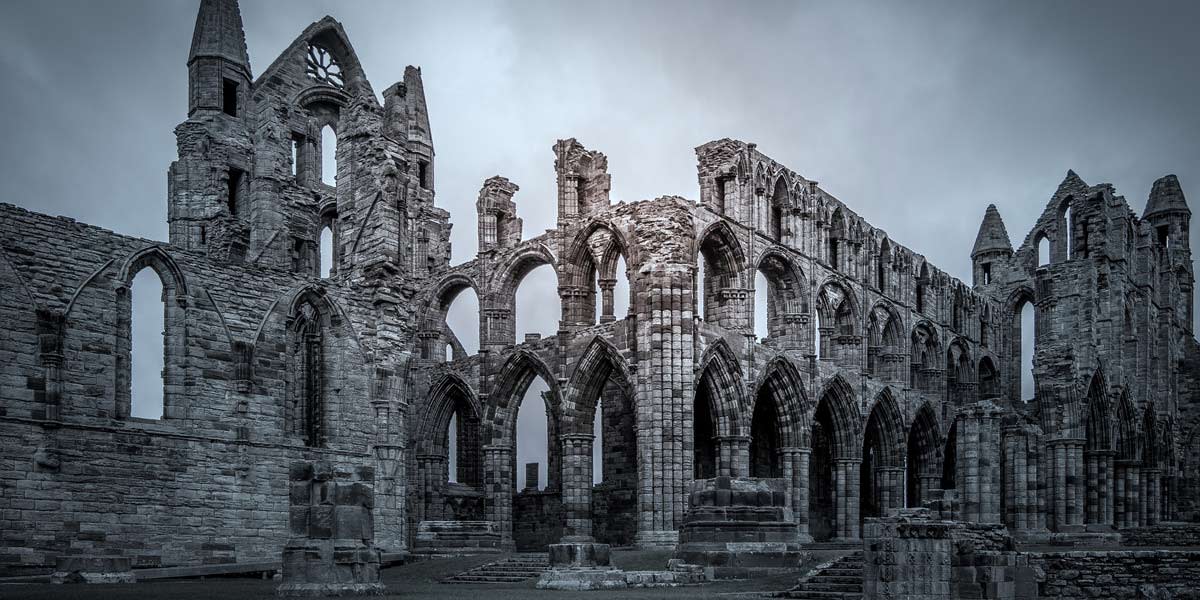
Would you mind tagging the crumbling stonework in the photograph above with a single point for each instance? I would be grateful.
(883, 382)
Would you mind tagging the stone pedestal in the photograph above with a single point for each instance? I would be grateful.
(581, 566)
(331, 551)
(92, 569)
(739, 527)
(456, 538)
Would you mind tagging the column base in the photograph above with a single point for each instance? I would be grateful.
(579, 555)
(656, 540)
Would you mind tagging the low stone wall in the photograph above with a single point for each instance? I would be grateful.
(537, 519)
(614, 515)
(1119, 574)
(1163, 534)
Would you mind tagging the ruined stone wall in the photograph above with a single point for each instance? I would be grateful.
(1113, 575)
(204, 483)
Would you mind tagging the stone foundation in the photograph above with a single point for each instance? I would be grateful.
(92, 569)
(455, 538)
(332, 551)
(739, 527)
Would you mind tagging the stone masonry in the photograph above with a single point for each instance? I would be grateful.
(883, 381)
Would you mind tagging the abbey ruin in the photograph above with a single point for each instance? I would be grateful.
(883, 383)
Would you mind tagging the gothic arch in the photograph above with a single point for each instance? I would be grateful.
(837, 308)
(433, 318)
(837, 399)
(511, 383)
(158, 259)
(592, 255)
(924, 460)
(787, 296)
(720, 376)
(881, 484)
(599, 364)
(515, 267)
(175, 302)
(782, 387)
(452, 396)
(989, 378)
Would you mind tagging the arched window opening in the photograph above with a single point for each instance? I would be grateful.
(462, 320)
(449, 352)
(1070, 232)
(148, 347)
(533, 435)
(762, 293)
(1043, 246)
(537, 308)
(307, 380)
(817, 341)
(883, 265)
(701, 289)
(452, 450)
(235, 195)
(621, 290)
(989, 381)
(950, 459)
(764, 438)
(1028, 334)
(329, 162)
(598, 442)
(326, 250)
(295, 155)
(704, 431)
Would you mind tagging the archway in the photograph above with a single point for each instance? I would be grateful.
(833, 465)
(719, 448)
(882, 473)
(924, 456)
(449, 459)
(148, 312)
(723, 264)
(779, 301)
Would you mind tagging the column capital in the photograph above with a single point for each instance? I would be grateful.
(576, 437)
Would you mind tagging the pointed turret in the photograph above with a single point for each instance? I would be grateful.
(991, 245)
(218, 65)
(992, 235)
(1166, 196)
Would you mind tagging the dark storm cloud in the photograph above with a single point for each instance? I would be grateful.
(916, 114)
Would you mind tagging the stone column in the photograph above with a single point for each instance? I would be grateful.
(606, 300)
(795, 469)
(390, 497)
(497, 483)
(577, 486)
(1099, 488)
(890, 481)
(432, 470)
(978, 462)
(846, 473)
(733, 456)
(1152, 496)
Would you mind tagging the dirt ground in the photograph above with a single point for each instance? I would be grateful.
(414, 580)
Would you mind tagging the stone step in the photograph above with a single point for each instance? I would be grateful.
(813, 586)
(809, 595)
(483, 579)
(513, 569)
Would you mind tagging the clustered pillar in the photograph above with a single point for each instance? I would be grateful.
(1024, 489)
(978, 462)
(1099, 508)
(733, 456)
(795, 472)
(1067, 493)
(889, 482)
(577, 486)
(498, 461)
(846, 480)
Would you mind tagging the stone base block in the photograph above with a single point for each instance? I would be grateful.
(324, 590)
(657, 540)
(329, 568)
(741, 560)
(581, 579)
(579, 554)
(456, 538)
(92, 569)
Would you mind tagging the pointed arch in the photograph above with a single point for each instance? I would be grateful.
(883, 452)
(837, 400)
(885, 341)
(451, 397)
(174, 343)
(157, 258)
(924, 455)
(511, 383)
(989, 378)
(520, 262)
(782, 388)
(600, 364)
(591, 258)
(787, 293)
(925, 355)
(724, 267)
(720, 382)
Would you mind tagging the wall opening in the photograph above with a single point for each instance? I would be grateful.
(326, 249)
(233, 194)
(452, 450)
(533, 439)
(229, 97)
(1070, 232)
(1043, 251)
(147, 345)
(296, 141)
(762, 293)
(816, 318)
(462, 321)
(704, 429)
(598, 442)
(423, 174)
(1164, 236)
(986, 270)
(329, 163)
(1028, 333)
(537, 307)
(701, 269)
(764, 438)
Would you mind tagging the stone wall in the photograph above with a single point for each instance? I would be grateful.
(1119, 575)
(1163, 534)
(537, 519)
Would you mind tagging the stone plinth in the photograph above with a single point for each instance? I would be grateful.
(92, 569)
(456, 538)
(582, 565)
(579, 554)
(331, 551)
(739, 527)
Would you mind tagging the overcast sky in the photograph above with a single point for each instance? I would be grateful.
(916, 114)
